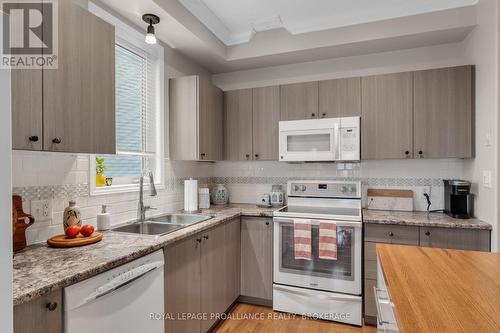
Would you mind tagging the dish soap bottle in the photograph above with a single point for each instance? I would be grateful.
(103, 219)
(72, 215)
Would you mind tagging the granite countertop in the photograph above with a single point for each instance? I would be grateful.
(421, 219)
(39, 269)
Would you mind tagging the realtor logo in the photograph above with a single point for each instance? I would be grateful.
(29, 35)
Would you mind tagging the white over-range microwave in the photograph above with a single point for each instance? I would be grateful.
(314, 140)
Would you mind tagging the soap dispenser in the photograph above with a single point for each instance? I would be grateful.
(103, 219)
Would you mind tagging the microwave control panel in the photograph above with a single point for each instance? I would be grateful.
(349, 143)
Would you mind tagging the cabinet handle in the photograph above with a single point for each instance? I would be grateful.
(247, 156)
(56, 140)
(313, 114)
(267, 223)
(205, 237)
(202, 155)
(407, 153)
(256, 155)
(421, 153)
(198, 240)
(391, 234)
(33, 138)
(323, 115)
(427, 233)
(51, 306)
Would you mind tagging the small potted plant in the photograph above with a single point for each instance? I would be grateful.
(100, 177)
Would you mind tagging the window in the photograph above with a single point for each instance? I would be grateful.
(139, 113)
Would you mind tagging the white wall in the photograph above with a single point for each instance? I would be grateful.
(481, 48)
(5, 203)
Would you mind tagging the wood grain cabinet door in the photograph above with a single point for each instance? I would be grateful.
(238, 125)
(463, 239)
(443, 112)
(27, 113)
(340, 98)
(78, 96)
(213, 275)
(182, 284)
(299, 101)
(257, 257)
(232, 260)
(266, 117)
(41, 315)
(210, 121)
(387, 104)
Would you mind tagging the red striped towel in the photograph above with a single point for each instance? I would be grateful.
(302, 238)
(327, 240)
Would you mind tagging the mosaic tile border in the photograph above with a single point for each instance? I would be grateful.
(436, 182)
(176, 184)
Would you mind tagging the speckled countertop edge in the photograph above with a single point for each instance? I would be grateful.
(422, 219)
(39, 269)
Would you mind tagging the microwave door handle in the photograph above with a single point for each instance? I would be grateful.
(336, 143)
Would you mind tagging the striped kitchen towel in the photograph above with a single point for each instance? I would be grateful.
(302, 238)
(327, 240)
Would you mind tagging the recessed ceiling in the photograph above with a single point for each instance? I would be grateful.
(236, 21)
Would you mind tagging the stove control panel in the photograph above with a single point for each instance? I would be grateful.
(325, 189)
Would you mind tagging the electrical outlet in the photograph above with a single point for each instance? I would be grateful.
(41, 209)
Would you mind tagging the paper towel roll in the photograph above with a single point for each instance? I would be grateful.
(191, 195)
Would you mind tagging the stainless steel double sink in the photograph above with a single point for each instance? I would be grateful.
(161, 225)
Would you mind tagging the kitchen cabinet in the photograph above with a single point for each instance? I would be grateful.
(79, 96)
(196, 119)
(266, 117)
(71, 108)
(41, 315)
(26, 103)
(299, 101)
(443, 112)
(257, 259)
(386, 116)
(340, 98)
(238, 125)
(466, 239)
(463, 239)
(202, 276)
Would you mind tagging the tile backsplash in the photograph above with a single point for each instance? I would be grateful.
(59, 177)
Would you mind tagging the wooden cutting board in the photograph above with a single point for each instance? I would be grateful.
(390, 199)
(63, 241)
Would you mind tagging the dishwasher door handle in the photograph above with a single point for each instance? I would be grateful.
(121, 281)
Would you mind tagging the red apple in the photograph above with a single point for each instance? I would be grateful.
(72, 231)
(87, 230)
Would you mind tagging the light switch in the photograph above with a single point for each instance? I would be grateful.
(487, 179)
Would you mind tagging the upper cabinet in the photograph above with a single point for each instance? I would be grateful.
(196, 119)
(266, 117)
(238, 125)
(340, 98)
(71, 108)
(299, 101)
(443, 112)
(386, 120)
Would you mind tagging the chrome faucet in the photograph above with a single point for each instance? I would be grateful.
(141, 213)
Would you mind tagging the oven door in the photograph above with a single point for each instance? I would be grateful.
(309, 144)
(342, 275)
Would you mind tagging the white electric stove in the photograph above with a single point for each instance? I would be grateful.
(320, 288)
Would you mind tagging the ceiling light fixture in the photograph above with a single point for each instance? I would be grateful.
(151, 19)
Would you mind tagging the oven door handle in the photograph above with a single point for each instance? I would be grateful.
(353, 224)
(337, 297)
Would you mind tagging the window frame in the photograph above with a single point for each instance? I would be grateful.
(127, 35)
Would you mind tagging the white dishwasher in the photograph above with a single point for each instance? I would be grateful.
(120, 300)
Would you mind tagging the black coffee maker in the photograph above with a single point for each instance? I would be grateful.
(458, 201)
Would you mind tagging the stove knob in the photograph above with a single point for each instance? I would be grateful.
(353, 189)
(295, 188)
(343, 189)
(303, 188)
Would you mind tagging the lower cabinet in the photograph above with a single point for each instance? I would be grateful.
(257, 259)
(202, 278)
(451, 238)
(41, 315)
